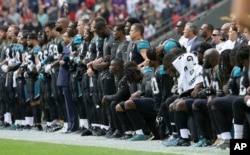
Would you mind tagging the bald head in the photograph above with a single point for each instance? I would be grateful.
(211, 58)
(212, 52)
(225, 29)
(62, 25)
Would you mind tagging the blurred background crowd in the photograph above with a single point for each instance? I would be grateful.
(33, 14)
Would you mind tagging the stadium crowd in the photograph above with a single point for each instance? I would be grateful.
(91, 77)
(33, 14)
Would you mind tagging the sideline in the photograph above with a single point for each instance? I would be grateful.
(76, 139)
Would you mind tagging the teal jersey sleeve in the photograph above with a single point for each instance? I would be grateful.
(36, 50)
(17, 47)
(142, 44)
(21, 47)
(148, 70)
(96, 40)
(236, 72)
(168, 45)
(77, 39)
(162, 70)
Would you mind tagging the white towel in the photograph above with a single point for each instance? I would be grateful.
(14, 78)
(190, 72)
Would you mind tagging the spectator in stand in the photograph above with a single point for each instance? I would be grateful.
(137, 12)
(32, 24)
(37, 26)
(111, 19)
(158, 5)
(119, 2)
(97, 5)
(196, 5)
(33, 5)
(104, 12)
(150, 13)
(216, 39)
(158, 21)
(10, 3)
(206, 33)
(185, 5)
(42, 16)
(5, 20)
(22, 4)
(167, 13)
(89, 3)
(73, 4)
(83, 12)
(1, 5)
(175, 18)
(14, 16)
(26, 14)
(122, 14)
(177, 6)
(52, 10)
(149, 29)
(41, 4)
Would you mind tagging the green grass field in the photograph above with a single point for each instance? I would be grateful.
(18, 147)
